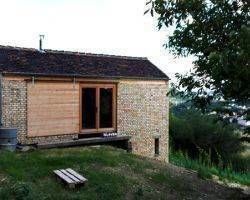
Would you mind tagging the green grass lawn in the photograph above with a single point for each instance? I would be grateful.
(112, 174)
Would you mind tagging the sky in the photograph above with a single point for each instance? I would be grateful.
(117, 27)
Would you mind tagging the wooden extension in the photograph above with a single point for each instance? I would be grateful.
(70, 177)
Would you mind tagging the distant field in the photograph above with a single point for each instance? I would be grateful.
(112, 174)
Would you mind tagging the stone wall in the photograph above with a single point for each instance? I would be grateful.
(14, 107)
(142, 112)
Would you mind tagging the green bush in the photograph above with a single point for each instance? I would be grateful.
(203, 137)
(239, 163)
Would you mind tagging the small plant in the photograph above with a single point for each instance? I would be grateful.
(21, 190)
(139, 192)
(204, 173)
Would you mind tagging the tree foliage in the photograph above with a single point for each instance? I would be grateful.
(217, 34)
(196, 133)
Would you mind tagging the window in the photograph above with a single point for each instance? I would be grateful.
(106, 104)
(157, 152)
(89, 108)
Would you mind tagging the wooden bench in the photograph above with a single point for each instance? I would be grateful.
(70, 177)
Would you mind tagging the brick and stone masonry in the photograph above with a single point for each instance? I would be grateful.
(142, 108)
(142, 112)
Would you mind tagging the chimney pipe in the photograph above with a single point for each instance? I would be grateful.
(41, 42)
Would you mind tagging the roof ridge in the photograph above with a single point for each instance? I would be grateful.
(94, 54)
(73, 53)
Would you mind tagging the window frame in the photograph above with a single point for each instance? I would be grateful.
(97, 86)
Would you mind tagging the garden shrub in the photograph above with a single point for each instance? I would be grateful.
(203, 136)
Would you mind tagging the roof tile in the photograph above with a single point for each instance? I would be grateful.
(16, 60)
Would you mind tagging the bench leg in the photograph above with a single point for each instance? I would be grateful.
(71, 186)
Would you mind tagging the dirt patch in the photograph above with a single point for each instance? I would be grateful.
(179, 183)
(207, 189)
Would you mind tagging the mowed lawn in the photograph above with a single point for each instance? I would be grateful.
(112, 174)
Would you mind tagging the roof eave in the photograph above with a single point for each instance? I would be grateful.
(84, 76)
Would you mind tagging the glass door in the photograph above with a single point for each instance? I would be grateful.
(106, 108)
(98, 108)
(89, 109)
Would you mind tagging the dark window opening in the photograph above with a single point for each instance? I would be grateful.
(106, 102)
(157, 151)
(89, 108)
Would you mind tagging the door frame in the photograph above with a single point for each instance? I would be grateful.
(114, 108)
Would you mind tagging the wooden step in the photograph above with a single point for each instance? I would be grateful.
(85, 141)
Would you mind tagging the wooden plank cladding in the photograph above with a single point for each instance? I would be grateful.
(52, 108)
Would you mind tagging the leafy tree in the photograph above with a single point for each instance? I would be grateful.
(217, 34)
(196, 133)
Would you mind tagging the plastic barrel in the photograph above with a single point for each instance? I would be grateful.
(8, 139)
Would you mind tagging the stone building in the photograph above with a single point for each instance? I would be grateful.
(55, 96)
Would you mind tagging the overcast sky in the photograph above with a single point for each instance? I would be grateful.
(97, 26)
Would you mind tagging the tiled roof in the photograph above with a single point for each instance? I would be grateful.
(24, 61)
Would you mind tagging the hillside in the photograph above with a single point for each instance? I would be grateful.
(112, 174)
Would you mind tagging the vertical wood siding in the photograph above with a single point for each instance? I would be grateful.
(52, 108)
